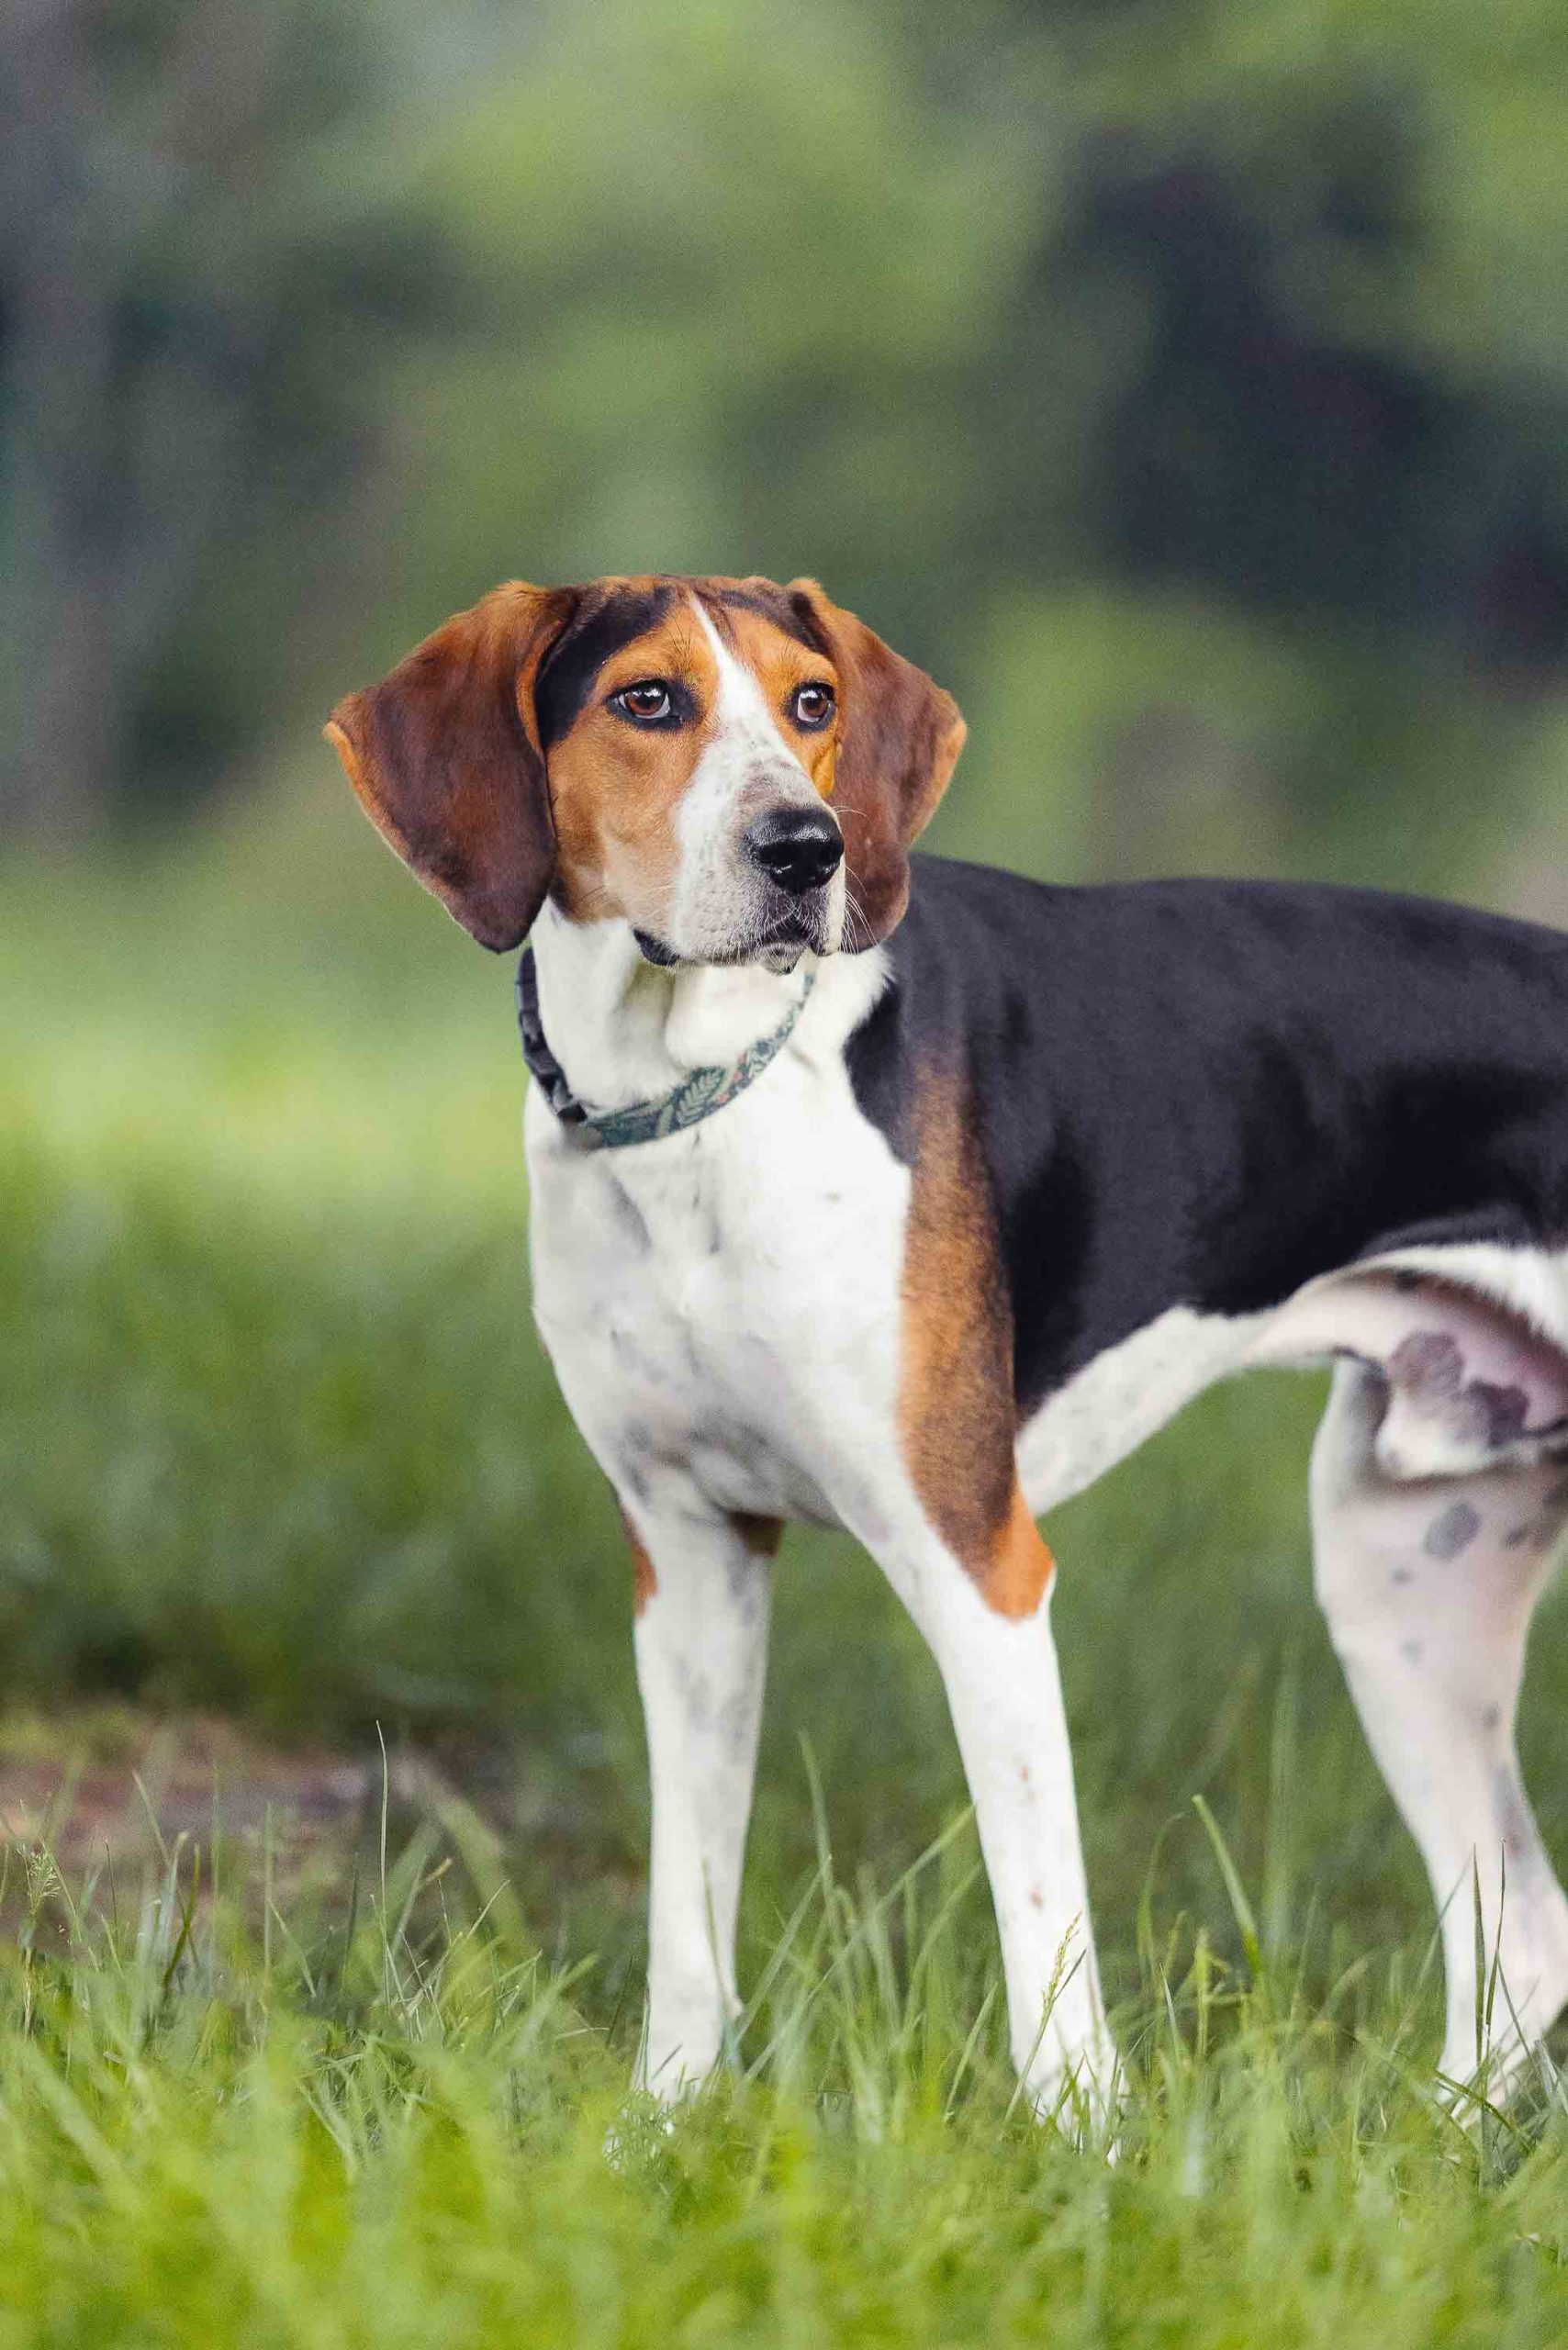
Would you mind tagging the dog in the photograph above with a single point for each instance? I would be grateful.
(897, 1194)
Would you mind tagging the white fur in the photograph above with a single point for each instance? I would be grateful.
(1428, 1590)
(1430, 1550)
(625, 1031)
(746, 767)
(723, 1310)
(714, 1304)
(1129, 1391)
(1108, 1408)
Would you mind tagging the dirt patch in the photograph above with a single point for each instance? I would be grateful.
(111, 1787)
(112, 1796)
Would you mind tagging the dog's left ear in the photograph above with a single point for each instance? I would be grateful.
(446, 757)
(900, 738)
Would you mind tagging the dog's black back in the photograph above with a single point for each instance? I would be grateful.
(1206, 1092)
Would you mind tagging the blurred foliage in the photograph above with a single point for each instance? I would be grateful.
(1186, 381)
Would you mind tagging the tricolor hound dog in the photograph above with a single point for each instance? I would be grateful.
(908, 1197)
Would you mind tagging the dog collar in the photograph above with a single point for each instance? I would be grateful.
(686, 1104)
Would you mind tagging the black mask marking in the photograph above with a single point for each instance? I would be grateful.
(566, 678)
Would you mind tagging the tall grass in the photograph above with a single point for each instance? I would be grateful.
(220, 2123)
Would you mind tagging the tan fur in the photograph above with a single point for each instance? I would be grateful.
(445, 753)
(956, 1410)
(780, 666)
(615, 790)
(444, 759)
(1021, 1565)
(645, 1581)
(899, 739)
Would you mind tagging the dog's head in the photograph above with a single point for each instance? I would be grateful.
(736, 769)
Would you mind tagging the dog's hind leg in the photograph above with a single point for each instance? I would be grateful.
(1428, 1587)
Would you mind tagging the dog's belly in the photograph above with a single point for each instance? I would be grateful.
(721, 1308)
(1473, 1338)
(1107, 1409)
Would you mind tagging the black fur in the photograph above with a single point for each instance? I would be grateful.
(566, 674)
(1205, 1092)
(602, 624)
(790, 613)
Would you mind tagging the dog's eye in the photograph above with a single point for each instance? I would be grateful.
(812, 705)
(648, 701)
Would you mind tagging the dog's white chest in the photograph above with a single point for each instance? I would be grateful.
(721, 1306)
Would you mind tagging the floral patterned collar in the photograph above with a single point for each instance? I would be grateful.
(687, 1104)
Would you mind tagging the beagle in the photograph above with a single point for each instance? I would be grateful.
(908, 1197)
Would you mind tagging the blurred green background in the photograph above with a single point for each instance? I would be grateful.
(1185, 386)
(1186, 383)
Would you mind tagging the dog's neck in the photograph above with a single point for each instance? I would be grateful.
(625, 1030)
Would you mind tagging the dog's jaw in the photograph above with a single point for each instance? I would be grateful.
(626, 1027)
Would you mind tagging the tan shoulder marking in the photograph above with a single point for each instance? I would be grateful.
(957, 1420)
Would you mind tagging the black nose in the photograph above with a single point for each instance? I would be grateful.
(798, 848)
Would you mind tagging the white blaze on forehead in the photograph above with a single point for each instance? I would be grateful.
(745, 756)
(745, 724)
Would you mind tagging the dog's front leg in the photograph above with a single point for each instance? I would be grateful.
(998, 1660)
(1004, 1694)
(704, 1585)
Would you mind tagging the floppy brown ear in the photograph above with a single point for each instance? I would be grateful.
(900, 736)
(445, 757)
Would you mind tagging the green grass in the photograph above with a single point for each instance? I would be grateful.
(406, 2128)
(275, 1438)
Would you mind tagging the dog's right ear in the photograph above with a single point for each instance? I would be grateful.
(446, 757)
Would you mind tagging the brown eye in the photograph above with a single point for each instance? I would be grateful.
(647, 702)
(812, 705)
